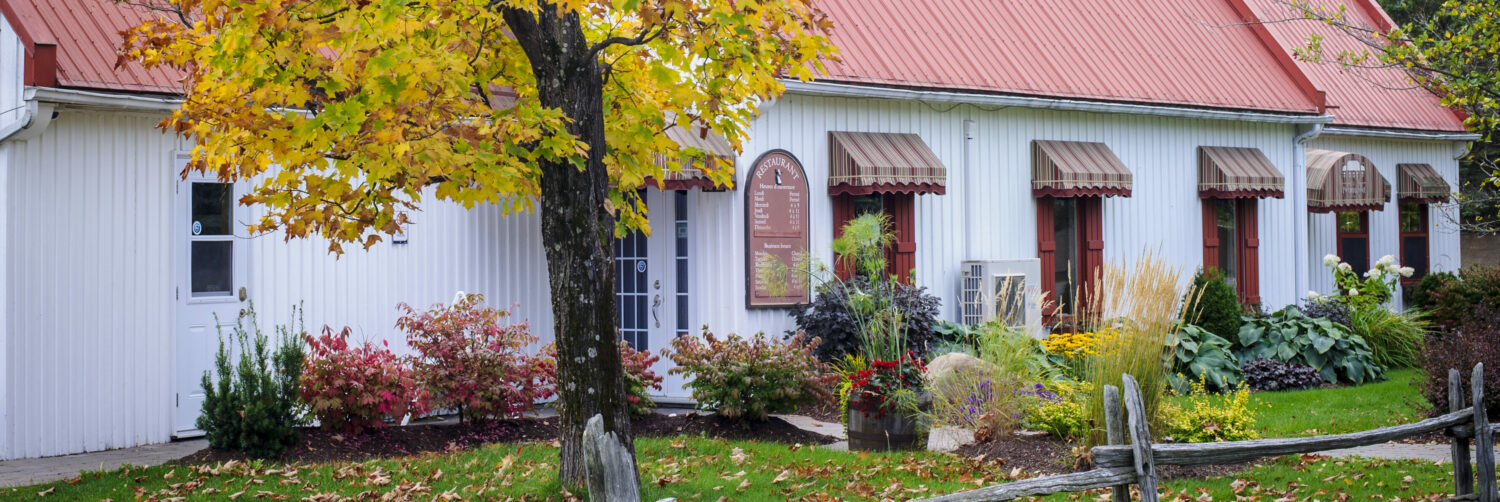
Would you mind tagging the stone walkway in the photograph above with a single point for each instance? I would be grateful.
(33, 471)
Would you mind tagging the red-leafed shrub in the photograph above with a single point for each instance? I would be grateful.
(470, 358)
(1476, 339)
(639, 378)
(751, 378)
(351, 388)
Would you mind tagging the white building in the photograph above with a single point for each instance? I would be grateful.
(1055, 131)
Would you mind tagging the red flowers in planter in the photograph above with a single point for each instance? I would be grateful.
(873, 390)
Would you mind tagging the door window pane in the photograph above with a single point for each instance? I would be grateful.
(1228, 245)
(868, 204)
(213, 208)
(1356, 252)
(1415, 248)
(213, 268)
(1065, 263)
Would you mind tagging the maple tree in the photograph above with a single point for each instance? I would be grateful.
(366, 108)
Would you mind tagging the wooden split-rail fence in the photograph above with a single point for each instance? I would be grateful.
(1119, 465)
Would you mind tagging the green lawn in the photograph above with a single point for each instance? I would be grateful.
(702, 469)
(1339, 410)
(699, 470)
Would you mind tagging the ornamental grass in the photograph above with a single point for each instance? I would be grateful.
(1141, 304)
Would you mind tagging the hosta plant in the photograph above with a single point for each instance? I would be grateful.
(353, 387)
(1290, 337)
(470, 359)
(1268, 375)
(751, 378)
(1196, 355)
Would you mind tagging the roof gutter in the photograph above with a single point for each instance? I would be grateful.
(105, 99)
(859, 91)
(1399, 134)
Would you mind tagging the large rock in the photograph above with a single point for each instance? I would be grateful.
(956, 363)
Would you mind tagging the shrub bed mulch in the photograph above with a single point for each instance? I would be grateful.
(823, 411)
(324, 446)
(1048, 455)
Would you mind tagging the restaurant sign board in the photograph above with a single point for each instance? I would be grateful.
(776, 231)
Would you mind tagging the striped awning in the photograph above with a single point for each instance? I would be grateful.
(1077, 169)
(692, 175)
(1343, 181)
(1421, 183)
(862, 163)
(1230, 172)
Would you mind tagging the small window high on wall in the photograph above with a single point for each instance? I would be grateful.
(1231, 180)
(1070, 180)
(882, 173)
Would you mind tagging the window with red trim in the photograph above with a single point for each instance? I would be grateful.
(1231, 242)
(1354, 239)
(1070, 243)
(900, 210)
(1414, 243)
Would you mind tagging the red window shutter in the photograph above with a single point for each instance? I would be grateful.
(843, 211)
(1210, 233)
(901, 258)
(1046, 249)
(1247, 228)
(1091, 214)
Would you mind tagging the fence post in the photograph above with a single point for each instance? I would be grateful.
(1140, 440)
(1463, 472)
(1484, 443)
(1114, 433)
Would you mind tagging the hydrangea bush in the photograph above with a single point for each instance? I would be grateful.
(1372, 289)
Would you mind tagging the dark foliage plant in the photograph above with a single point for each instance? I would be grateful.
(253, 407)
(1218, 309)
(1475, 340)
(832, 318)
(1265, 374)
(1448, 300)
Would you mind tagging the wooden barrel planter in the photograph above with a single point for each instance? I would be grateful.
(886, 432)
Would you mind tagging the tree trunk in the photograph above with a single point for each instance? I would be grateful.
(577, 233)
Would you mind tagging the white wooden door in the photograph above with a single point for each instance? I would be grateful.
(210, 263)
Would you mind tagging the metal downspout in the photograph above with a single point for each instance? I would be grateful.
(1301, 227)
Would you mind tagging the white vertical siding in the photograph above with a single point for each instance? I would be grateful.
(1163, 212)
(1443, 235)
(89, 286)
(90, 281)
(450, 249)
(11, 102)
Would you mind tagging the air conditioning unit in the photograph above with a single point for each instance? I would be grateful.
(1007, 291)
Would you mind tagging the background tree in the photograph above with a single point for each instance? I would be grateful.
(1448, 47)
(366, 107)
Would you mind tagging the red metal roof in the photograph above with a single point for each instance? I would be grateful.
(86, 34)
(1363, 97)
(1168, 52)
